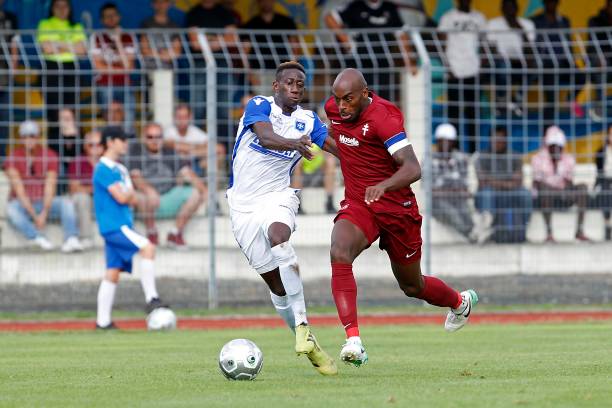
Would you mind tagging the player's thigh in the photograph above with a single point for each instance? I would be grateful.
(249, 232)
(279, 216)
(354, 230)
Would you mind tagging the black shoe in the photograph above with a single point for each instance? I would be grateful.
(155, 303)
(110, 326)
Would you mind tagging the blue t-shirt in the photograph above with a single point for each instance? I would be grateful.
(110, 214)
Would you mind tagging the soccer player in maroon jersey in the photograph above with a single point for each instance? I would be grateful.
(379, 165)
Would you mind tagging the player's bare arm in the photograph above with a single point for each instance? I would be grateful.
(330, 145)
(408, 173)
(122, 196)
(270, 140)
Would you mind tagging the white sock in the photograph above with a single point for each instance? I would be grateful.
(284, 309)
(106, 297)
(298, 306)
(147, 279)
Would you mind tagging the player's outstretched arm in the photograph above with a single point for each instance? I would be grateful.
(330, 146)
(408, 173)
(270, 140)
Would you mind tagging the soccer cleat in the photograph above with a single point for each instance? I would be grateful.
(155, 303)
(110, 326)
(320, 360)
(457, 318)
(353, 352)
(303, 343)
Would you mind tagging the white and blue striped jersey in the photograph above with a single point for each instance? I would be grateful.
(256, 170)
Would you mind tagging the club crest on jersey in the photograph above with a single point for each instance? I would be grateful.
(365, 129)
(299, 125)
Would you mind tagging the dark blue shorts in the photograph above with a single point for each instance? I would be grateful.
(120, 246)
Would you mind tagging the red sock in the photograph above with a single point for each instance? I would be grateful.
(437, 293)
(344, 290)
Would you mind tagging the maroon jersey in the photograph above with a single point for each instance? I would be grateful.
(366, 147)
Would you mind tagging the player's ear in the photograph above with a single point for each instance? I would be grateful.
(365, 92)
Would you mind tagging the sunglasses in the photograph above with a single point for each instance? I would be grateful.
(153, 137)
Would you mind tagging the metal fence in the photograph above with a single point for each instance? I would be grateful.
(480, 205)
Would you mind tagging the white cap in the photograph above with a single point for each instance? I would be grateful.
(29, 128)
(446, 131)
(554, 136)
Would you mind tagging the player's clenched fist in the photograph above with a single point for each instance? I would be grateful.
(373, 193)
(302, 145)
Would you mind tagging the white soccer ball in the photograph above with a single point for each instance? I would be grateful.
(240, 359)
(161, 318)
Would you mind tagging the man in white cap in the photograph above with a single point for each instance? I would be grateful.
(553, 173)
(32, 171)
(450, 189)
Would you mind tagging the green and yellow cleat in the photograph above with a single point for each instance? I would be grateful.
(303, 343)
(320, 360)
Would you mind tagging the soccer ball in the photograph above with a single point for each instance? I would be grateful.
(240, 359)
(161, 318)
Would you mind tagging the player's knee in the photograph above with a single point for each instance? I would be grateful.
(278, 237)
(148, 251)
(340, 254)
(412, 289)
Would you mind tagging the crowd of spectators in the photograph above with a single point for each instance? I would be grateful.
(169, 164)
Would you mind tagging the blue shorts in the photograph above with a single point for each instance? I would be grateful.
(120, 246)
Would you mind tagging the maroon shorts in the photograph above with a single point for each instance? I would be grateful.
(399, 228)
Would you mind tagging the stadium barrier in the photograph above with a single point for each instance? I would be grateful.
(214, 72)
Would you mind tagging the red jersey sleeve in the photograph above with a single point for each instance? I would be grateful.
(390, 130)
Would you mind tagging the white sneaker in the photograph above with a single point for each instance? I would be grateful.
(72, 244)
(86, 243)
(457, 318)
(486, 227)
(353, 352)
(42, 242)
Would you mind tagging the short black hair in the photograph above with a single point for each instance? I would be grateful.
(289, 65)
(107, 6)
(501, 129)
(112, 132)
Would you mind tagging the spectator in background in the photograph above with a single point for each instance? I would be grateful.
(511, 38)
(230, 5)
(603, 184)
(461, 29)
(450, 186)
(80, 175)
(32, 173)
(62, 41)
(160, 49)
(114, 115)
(166, 185)
(555, 52)
(371, 14)
(190, 142)
(113, 54)
(600, 56)
(501, 198)
(553, 174)
(8, 23)
(269, 47)
(209, 14)
(67, 145)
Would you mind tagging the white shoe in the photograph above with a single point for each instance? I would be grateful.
(457, 318)
(353, 352)
(86, 243)
(72, 244)
(486, 227)
(42, 242)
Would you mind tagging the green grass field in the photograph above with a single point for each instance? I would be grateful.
(549, 365)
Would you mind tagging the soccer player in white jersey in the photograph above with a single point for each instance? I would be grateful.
(273, 135)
